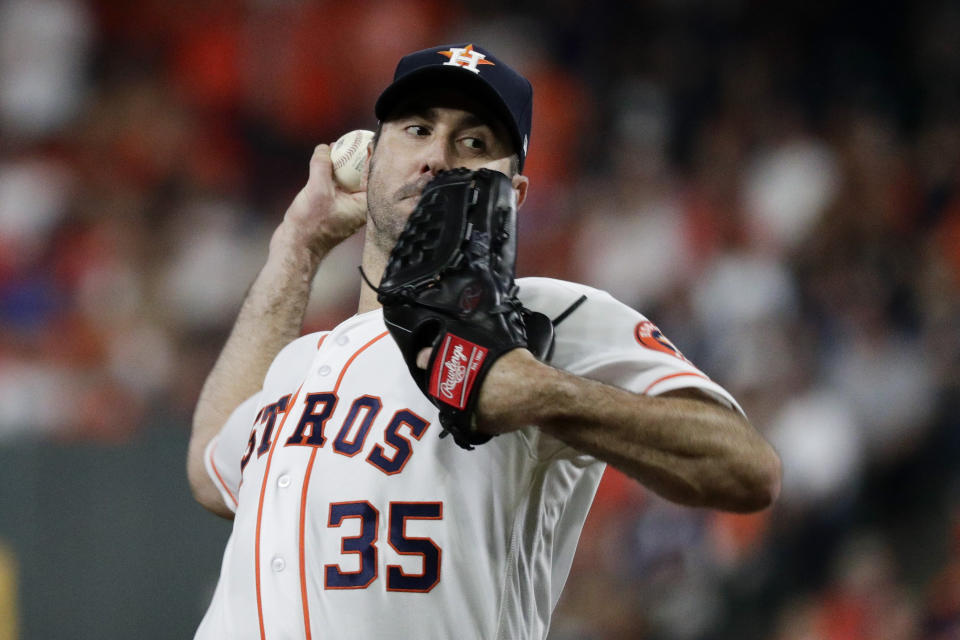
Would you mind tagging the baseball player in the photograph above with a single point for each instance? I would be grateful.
(352, 518)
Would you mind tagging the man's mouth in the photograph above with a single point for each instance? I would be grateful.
(415, 189)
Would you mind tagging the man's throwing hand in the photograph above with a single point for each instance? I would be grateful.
(323, 215)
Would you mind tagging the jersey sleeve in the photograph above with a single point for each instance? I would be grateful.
(224, 452)
(605, 340)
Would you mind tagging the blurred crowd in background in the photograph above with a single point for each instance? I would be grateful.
(775, 184)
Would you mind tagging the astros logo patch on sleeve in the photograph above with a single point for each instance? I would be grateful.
(651, 337)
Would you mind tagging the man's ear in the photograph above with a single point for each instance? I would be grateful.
(520, 184)
(365, 177)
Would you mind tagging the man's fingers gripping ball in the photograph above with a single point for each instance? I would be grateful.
(348, 157)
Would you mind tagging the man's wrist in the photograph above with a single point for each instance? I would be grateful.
(290, 244)
(518, 391)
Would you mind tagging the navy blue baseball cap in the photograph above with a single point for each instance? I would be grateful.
(469, 68)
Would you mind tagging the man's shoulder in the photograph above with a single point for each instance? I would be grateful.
(308, 343)
(544, 290)
(290, 365)
(552, 297)
(292, 362)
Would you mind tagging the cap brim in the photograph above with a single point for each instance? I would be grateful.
(449, 77)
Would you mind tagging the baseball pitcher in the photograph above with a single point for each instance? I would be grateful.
(423, 469)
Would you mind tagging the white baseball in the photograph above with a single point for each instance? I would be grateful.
(348, 155)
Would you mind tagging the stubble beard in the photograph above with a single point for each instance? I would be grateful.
(388, 211)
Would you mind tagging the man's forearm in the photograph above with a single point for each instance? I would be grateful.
(271, 316)
(689, 450)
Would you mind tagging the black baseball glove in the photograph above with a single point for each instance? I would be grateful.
(449, 286)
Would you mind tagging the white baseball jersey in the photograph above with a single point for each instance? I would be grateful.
(354, 520)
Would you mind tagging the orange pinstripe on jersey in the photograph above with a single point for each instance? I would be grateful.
(674, 375)
(303, 497)
(213, 465)
(263, 490)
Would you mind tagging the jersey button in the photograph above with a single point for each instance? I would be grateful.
(278, 564)
(342, 340)
(283, 482)
(324, 370)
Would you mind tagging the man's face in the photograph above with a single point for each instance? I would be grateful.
(420, 141)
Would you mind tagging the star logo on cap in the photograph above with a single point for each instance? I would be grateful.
(466, 58)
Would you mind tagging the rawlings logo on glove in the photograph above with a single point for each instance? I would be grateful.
(459, 371)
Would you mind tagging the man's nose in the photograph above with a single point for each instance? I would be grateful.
(437, 156)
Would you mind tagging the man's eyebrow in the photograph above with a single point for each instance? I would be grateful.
(473, 120)
(431, 113)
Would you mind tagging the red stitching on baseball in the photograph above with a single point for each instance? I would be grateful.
(354, 145)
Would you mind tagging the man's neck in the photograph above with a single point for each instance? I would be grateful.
(373, 263)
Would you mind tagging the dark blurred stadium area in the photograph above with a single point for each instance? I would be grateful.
(775, 184)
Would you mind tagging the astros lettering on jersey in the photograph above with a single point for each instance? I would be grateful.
(354, 520)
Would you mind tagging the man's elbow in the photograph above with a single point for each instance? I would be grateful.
(203, 489)
(759, 482)
(208, 497)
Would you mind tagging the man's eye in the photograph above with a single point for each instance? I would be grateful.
(417, 130)
(474, 143)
